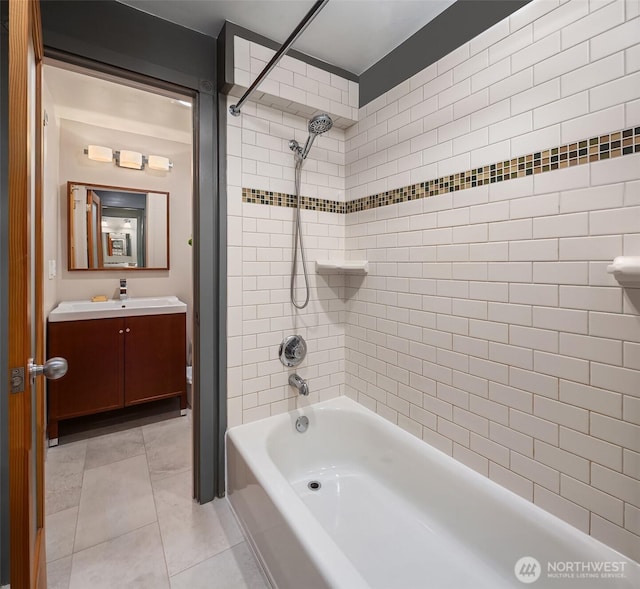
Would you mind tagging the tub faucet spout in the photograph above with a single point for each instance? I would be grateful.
(299, 383)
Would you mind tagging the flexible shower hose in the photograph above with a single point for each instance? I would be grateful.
(298, 238)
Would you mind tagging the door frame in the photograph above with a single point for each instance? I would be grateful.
(209, 274)
(38, 259)
(69, 28)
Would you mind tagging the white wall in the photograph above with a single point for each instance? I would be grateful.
(488, 325)
(75, 166)
(50, 199)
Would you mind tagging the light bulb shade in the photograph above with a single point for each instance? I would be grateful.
(98, 153)
(130, 159)
(157, 162)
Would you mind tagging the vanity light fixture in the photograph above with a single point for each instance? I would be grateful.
(98, 153)
(128, 159)
(158, 162)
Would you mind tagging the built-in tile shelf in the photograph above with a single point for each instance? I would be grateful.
(342, 267)
(294, 86)
(626, 270)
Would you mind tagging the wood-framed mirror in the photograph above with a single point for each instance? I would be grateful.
(115, 228)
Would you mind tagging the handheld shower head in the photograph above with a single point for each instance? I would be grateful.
(320, 124)
(317, 125)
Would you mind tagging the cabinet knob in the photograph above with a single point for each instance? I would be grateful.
(121, 331)
(128, 330)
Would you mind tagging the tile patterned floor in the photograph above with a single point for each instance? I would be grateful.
(120, 516)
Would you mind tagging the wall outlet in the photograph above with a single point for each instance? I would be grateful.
(52, 269)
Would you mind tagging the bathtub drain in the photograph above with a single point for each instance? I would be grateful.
(302, 423)
(314, 485)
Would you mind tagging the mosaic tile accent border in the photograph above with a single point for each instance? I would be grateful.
(595, 149)
(282, 199)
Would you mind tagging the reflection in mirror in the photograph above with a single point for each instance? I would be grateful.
(111, 228)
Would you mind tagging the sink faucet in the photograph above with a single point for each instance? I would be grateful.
(123, 289)
(299, 383)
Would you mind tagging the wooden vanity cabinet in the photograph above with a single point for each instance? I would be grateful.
(115, 363)
(94, 351)
(155, 358)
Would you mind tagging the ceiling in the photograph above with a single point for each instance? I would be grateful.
(94, 100)
(351, 34)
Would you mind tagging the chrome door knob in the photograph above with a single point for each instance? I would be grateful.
(52, 369)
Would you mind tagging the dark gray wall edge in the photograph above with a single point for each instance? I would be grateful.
(222, 269)
(115, 34)
(225, 59)
(4, 279)
(206, 332)
(459, 23)
(221, 272)
(133, 42)
(231, 30)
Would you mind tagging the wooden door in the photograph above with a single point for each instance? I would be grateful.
(155, 358)
(26, 407)
(94, 230)
(94, 350)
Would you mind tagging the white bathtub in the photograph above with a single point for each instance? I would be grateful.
(392, 512)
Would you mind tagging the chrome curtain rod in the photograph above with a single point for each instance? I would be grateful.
(234, 109)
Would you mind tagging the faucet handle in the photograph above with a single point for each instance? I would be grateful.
(292, 350)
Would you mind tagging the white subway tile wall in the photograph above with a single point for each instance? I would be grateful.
(533, 89)
(487, 325)
(293, 85)
(260, 240)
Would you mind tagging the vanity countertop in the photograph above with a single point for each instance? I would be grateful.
(81, 310)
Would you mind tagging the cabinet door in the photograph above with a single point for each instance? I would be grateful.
(94, 350)
(155, 357)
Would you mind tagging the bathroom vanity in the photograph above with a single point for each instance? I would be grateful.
(120, 353)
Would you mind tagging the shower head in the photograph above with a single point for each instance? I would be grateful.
(317, 125)
(320, 124)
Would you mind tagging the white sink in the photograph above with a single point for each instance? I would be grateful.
(79, 310)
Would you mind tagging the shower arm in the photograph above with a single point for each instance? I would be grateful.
(234, 109)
